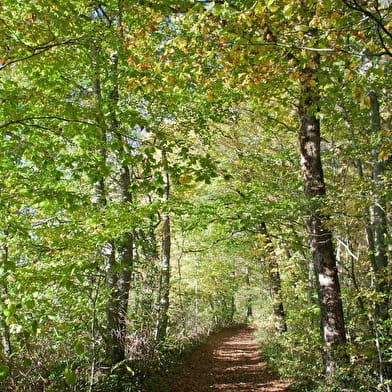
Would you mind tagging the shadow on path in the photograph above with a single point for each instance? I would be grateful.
(229, 362)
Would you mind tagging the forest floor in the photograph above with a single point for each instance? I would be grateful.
(229, 361)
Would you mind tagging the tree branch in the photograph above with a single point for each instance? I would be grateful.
(231, 235)
(23, 121)
(37, 50)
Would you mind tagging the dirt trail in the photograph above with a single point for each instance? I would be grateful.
(228, 362)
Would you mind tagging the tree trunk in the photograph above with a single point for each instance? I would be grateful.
(327, 281)
(376, 234)
(6, 338)
(118, 278)
(125, 250)
(5, 329)
(379, 220)
(164, 287)
(120, 273)
(274, 280)
(118, 270)
(114, 350)
(377, 237)
(249, 300)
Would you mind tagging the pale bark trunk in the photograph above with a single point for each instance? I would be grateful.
(120, 273)
(125, 250)
(6, 338)
(249, 300)
(377, 237)
(114, 351)
(376, 232)
(99, 199)
(378, 220)
(274, 280)
(164, 287)
(331, 310)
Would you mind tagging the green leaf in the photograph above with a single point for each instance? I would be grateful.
(70, 377)
(79, 348)
(29, 304)
(10, 310)
(27, 362)
(4, 370)
(288, 11)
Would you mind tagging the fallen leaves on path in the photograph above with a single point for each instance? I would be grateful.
(228, 362)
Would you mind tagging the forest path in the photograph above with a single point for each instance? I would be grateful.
(229, 361)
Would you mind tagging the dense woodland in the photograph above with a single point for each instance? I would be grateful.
(169, 168)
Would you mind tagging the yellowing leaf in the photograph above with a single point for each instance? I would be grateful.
(168, 79)
(259, 8)
(382, 155)
(357, 92)
(273, 8)
(348, 75)
(288, 10)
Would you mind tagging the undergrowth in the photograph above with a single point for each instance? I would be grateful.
(296, 355)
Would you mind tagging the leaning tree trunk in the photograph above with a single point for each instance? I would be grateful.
(331, 310)
(164, 287)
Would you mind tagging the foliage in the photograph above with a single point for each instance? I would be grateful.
(90, 91)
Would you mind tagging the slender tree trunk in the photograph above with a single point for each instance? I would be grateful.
(95, 286)
(379, 220)
(125, 250)
(114, 351)
(6, 338)
(120, 273)
(377, 235)
(274, 280)
(118, 278)
(99, 195)
(327, 281)
(232, 309)
(249, 300)
(164, 287)
(5, 329)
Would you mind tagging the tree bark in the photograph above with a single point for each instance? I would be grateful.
(118, 278)
(327, 281)
(120, 273)
(249, 300)
(114, 351)
(125, 250)
(164, 287)
(377, 237)
(274, 280)
(376, 234)
(378, 219)
(5, 329)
